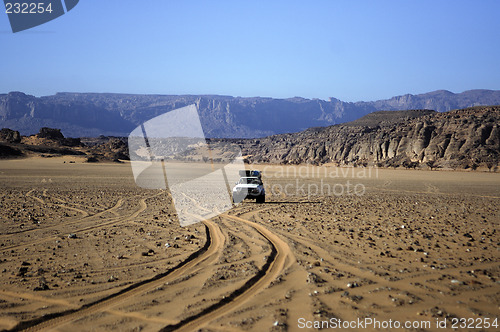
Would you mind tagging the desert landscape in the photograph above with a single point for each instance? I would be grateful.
(250, 166)
(234, 166)
(84, 249)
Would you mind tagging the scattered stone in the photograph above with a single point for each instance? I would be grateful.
(42, 285)
(313, 278)
(22, 271)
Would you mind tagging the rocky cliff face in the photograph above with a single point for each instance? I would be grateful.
(28, 114)
(461, 138)
(440, 100)
(93, 114)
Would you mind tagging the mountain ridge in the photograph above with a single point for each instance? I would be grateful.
(458, 139)
(112, 114)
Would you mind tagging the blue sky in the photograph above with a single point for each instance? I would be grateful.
(351, 50)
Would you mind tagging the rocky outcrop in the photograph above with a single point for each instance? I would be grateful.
(112, 148)
(94, 114)
(461, 138)
(9, 136)
(51, 137)
(50, 133)
(50, 142)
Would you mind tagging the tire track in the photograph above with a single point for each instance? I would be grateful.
(138, 316)
(279, 257)
(42, 201)
(62, 201)
(112, 221)
(64, 205)
(30, 195)
(112, 210)
(204, 256)
(34, 297)
(409, 282)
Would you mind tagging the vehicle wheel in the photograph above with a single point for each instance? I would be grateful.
(260, 199)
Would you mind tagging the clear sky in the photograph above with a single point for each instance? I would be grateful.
(351, 50)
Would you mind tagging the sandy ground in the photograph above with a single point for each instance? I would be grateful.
(82, 248)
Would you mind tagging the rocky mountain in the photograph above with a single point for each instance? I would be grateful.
(94, 114)
(465, 138)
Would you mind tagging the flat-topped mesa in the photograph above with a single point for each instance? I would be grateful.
(112, 114)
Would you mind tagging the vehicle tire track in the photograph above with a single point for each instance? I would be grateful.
(42, 201)
(112, 221)
(203, 256)
(34, 297)
(112, 209)
(30, 195)
(275, 264)
(280, 253)
(64, 204)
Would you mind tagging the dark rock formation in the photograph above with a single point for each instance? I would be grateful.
(10, 136)
(51, 136)
(460, 138)
(54, 134)
(112, 148)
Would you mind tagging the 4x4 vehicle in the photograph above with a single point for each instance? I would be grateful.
(249, 186)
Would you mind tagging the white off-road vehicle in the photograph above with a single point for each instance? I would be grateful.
(249, 186)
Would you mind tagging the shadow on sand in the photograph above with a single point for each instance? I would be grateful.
(290, 202)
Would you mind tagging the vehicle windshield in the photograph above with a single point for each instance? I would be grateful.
(250, 181)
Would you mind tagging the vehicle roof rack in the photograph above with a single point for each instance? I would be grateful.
(247, 173)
